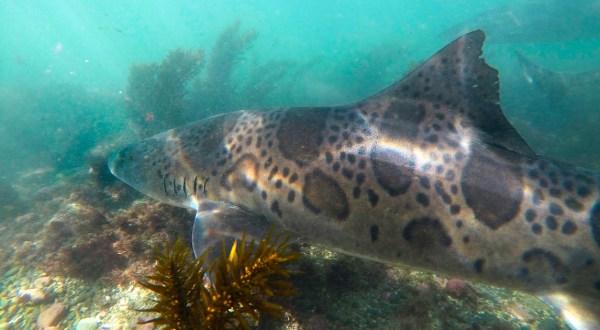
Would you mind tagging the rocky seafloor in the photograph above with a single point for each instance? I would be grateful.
(75, 246)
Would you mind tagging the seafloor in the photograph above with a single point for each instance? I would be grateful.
(73, 251)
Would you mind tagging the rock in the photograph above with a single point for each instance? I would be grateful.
(41, 282)
(89, 323)
(50, 316)
(35, 296)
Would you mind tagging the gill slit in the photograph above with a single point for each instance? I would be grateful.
(195, 185)
(165, 185)
(184, 188)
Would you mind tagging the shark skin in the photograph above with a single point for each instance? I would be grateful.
(556, 85)
(427, 173)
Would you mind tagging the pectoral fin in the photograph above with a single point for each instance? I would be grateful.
(216, 221)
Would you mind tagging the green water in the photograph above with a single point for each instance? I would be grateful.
(67, 98)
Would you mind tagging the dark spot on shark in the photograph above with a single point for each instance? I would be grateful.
(351, 158)
(422, 199)
(573, 204)
(466, 239)
(356, 192)
(336, 166)
(285, 172)
(424, 181)
(373, 197)
(300, 134)
(491, 190)
(439, 189)
(536, 228)
(241, 174)
(555, 209)
(402, 119)
(348, 173)
(374, 231)
(568, 228)
(293, 178)
(328, 157)
(322, 194)
(263, 195)
(543, 263)
(454, 209)
(275, 208)
(583, 191)
(551, 223)
(426, 233)
(278, 183)
(360, 178)
(392, 169)
(453, 189)
(291, 196)
(273, 172)
(268, 162)
(478, 265)
(555, 192)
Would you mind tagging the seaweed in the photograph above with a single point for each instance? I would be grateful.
(244, 278)
(156, 91)
(216, 92)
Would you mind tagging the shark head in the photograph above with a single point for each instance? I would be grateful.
(174, 166)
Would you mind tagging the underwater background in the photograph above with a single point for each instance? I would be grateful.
(80, 79)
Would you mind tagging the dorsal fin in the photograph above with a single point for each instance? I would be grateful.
(461, 82)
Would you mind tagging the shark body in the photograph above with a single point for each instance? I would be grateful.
(556, 85)
(426, 173)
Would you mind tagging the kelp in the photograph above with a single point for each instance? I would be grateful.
(244, 278)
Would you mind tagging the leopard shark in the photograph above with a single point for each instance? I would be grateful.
(556, 85)
(427, 173)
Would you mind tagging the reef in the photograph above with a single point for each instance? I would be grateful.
(244, 277)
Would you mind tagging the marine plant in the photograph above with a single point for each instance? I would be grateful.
(244, 278)
(156, 91)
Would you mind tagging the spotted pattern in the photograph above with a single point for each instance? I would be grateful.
(491, 190)
(322, 194)
(392, 169)
(300, 134)
(540, 261)
(426, 233)
(242, 174)
(402, 119)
